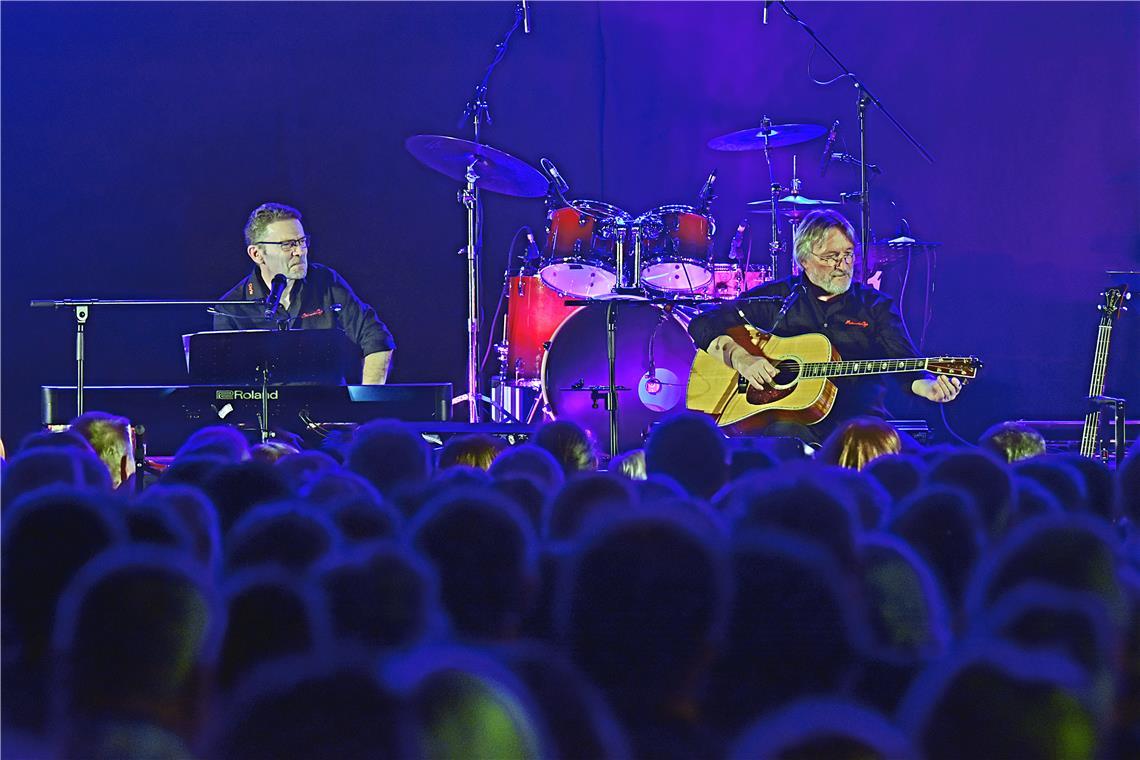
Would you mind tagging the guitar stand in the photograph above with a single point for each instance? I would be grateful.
(1096, 404)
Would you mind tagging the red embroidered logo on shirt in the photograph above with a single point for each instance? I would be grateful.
(249, 288)
(316, 313)
(853, 323)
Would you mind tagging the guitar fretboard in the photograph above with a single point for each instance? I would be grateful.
(863, 367)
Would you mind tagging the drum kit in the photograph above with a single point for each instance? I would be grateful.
(596, 322)
(597, 319)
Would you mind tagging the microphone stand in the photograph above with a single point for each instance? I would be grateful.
(82, 307)
(865, 97)
(477, 113)
(774, 188)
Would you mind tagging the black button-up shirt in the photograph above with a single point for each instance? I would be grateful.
(321, 301)
(861, 324)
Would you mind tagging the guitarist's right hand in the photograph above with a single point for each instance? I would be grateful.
(758, 371)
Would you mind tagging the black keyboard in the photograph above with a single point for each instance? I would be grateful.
(169, 414)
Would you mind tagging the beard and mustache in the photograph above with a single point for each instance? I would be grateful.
(836, 283)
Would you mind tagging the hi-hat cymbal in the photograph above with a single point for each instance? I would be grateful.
(791, 207)
(788, 201)
(778, 136)
(499, 172)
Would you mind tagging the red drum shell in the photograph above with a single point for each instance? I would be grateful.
(579, 257)
(678, 259)
(534, 313)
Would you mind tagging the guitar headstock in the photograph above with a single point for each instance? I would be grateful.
(1114, 300)
(956, 366)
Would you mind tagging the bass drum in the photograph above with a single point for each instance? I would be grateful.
(654, 355)
(729, 280)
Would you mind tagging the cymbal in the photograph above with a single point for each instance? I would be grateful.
(903, 243)
(793, 207)
(779, 136)
(499, 172)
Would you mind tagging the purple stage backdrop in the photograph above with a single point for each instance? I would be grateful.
(137, 137)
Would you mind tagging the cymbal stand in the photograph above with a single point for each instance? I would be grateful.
(469, 197)
(478, 113)
(865, 97)
(774, 246)
(864, 189)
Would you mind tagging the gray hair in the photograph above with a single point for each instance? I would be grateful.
(815, 227)
(265, 215)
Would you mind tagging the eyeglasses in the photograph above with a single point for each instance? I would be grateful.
(836, 259)
(289, 246)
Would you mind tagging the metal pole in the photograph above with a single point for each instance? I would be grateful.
(471, 201)
(864, 191)
(80, 329)
(611, 388)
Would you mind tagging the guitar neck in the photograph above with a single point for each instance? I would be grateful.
(863, 367)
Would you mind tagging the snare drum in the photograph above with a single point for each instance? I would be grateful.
(579, 257)
(679, 258)
(730, 280)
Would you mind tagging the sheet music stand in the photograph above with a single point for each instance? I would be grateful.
(268, 358)
(290, 357)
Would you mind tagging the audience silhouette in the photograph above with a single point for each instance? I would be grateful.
(699, 598)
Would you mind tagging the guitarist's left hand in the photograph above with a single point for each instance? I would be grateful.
(938, 389)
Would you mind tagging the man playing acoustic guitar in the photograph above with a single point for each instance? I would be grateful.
(860, 322)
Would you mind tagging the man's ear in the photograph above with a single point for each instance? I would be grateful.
(254, 252)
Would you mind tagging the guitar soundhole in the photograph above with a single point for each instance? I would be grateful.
(789, 372)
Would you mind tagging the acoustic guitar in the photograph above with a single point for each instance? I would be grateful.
(802, 391)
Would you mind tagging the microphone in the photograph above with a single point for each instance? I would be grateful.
(705, 196)
(737, 240)
(526, 18)
(273, 300)
(767, 4)
(825, 161)
(552, 172)
(532, 252)
(787, 304)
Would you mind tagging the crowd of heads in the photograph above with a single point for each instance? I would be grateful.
(702, 597)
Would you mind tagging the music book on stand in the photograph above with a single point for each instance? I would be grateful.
(292, 357)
